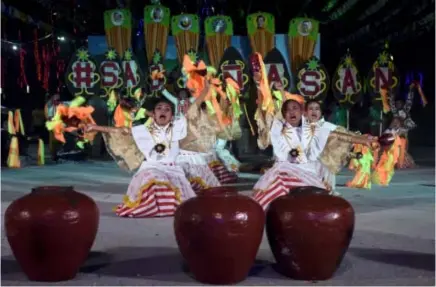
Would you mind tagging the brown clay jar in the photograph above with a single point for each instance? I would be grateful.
(219, 233)
(309, 232)
(51, 231)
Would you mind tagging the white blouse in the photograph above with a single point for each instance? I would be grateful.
(284, 138)
(315, 136)
(146, 138)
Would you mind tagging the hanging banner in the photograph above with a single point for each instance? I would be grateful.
(219, 31)
(111, 72)
(261, 31)
(276, 69)
(313, 80)
(347, 84)
(81, 75)
(133, 76)
(232, 65)
(186, 31)
(156, 73)
(118, 29)
(156, 30)
(302, 36)
(383, 75)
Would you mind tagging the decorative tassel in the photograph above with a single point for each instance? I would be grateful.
(11, 126)
(402, 152)
(77, 102)
(385, 101)
(41, 152)
(14, 154)
(416, 85)
(18, 122)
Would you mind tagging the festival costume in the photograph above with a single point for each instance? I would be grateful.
(232, 110)
(312, 134)
(195, 148)
(289, 171)
(405, 160)
(385, 167)
(159, 185)
(194, 76)
(294, 167)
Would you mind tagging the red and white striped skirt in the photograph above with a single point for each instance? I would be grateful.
(155, 192)
(220, 171)
(281, 178)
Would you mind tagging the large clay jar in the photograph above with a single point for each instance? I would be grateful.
(309, 232)
(219, 233)
(51, 231)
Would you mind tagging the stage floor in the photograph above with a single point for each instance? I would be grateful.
(393, 243)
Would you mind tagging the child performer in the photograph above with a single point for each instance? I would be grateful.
(159, 185)
(292, 167)
(194, 148)
(312, 122)
(398, 128)
(385, 167)
(401, 111)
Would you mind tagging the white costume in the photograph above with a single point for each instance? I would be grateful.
(159, 185)
(314, 140)
(288, 171)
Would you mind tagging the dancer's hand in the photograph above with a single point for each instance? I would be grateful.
(125, 131)
(89, 128)
(279, 87)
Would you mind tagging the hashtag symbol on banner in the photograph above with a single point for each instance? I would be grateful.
(82, 75)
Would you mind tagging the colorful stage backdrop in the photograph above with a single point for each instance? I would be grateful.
(97, 45)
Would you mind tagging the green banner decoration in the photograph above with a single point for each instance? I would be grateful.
(117, 18)
(185, 22)
(218, 25)
(305, 27)
(157, 14)
(260, 20)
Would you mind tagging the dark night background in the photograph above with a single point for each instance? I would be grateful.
(359, 25)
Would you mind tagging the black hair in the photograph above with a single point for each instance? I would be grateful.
(285, 104)
(159, 100)
(129, 103)
(310, 101)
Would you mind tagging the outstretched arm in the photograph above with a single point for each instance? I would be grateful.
(356, 139)
(170, 97)
(105, 129)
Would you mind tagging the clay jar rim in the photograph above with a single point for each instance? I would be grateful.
(308, 190)
(218, 191)
(51, 188)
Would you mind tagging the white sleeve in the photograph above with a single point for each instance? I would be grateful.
(180, 129)
(192, 100)
(170, 97)
(280, 146)
(143, 139)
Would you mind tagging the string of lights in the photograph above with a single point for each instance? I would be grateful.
(16, 45)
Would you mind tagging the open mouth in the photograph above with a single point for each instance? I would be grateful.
(162, 117)
(293, 118)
